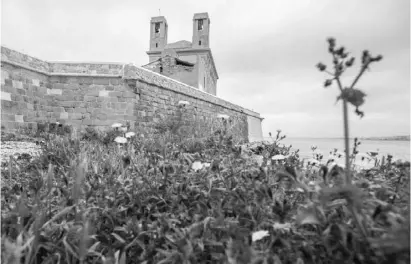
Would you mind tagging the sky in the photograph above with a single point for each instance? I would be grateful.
(265, 52)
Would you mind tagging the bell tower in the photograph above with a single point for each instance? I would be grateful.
(201, 30)
(158, 33)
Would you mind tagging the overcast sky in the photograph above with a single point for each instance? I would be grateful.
(265, 51)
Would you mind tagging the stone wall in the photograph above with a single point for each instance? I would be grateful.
(100, 94)
(24, 98)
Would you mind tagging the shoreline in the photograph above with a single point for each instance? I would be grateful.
(338, 138)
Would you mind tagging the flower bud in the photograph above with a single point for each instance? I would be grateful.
(340, 51)
(350, 62)
(331, 43)
(321, 66)
(365, 56)
(328, 82)
(378, 58)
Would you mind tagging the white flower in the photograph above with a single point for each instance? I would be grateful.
(197, 165)
(299, 189)
(259, 159)
(259, 235)
(223, 116)
(183, 103)
(285, 226)
(120, 140)
(318, 151)
(123, 129)
(206, 165)
(313, 162)
(116, 125)
(278, 157)
(130, 134)
(372, 153)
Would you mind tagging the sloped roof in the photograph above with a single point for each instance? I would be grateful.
(156, 62)
(182, 44)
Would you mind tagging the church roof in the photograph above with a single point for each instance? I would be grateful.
(178, 61)
(182, 44)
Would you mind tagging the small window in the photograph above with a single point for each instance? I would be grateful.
(200, 24)
(156, 45)
(199, 43)
(157, 27)
(161, 69)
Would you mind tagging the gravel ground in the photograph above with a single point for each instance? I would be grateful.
(14, 148)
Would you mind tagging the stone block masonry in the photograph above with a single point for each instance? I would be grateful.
(100, 94)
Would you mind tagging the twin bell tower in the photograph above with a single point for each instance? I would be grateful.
(159, 32)
(189, 62)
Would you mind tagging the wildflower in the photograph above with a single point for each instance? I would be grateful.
(223, 116)
(259, 235)
(317, 151)
(130, 134)
(197, 165)
(183, 103)
(123, 129)
(286, 226)
(299, 189)
(120, 140)
(278, 157)
(313, 162)
(363, 156)
(116, 125)
(372, 153)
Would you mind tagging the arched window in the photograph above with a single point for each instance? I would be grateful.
(157, 27)
(200, 24)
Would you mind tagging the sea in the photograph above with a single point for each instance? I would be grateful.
(398, 149)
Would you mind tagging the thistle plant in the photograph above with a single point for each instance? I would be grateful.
(349, 94)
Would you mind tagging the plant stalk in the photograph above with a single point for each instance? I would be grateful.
(346, 143)
(346, 130)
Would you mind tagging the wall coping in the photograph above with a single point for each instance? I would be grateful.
(138, 73)
(120, 70)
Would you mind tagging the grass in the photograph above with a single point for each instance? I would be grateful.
(89, 201)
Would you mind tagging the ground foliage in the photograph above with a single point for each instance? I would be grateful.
(167, 200)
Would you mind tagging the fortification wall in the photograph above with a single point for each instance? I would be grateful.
(100, 94)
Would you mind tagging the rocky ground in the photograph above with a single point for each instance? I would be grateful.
(16, 149)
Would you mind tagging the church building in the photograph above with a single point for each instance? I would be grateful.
(192, 62)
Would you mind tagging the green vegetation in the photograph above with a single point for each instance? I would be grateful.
(115, 197)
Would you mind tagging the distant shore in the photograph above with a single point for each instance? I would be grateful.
(393, 138)
(396, 138)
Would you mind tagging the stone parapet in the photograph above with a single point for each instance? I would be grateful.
(100, 94)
